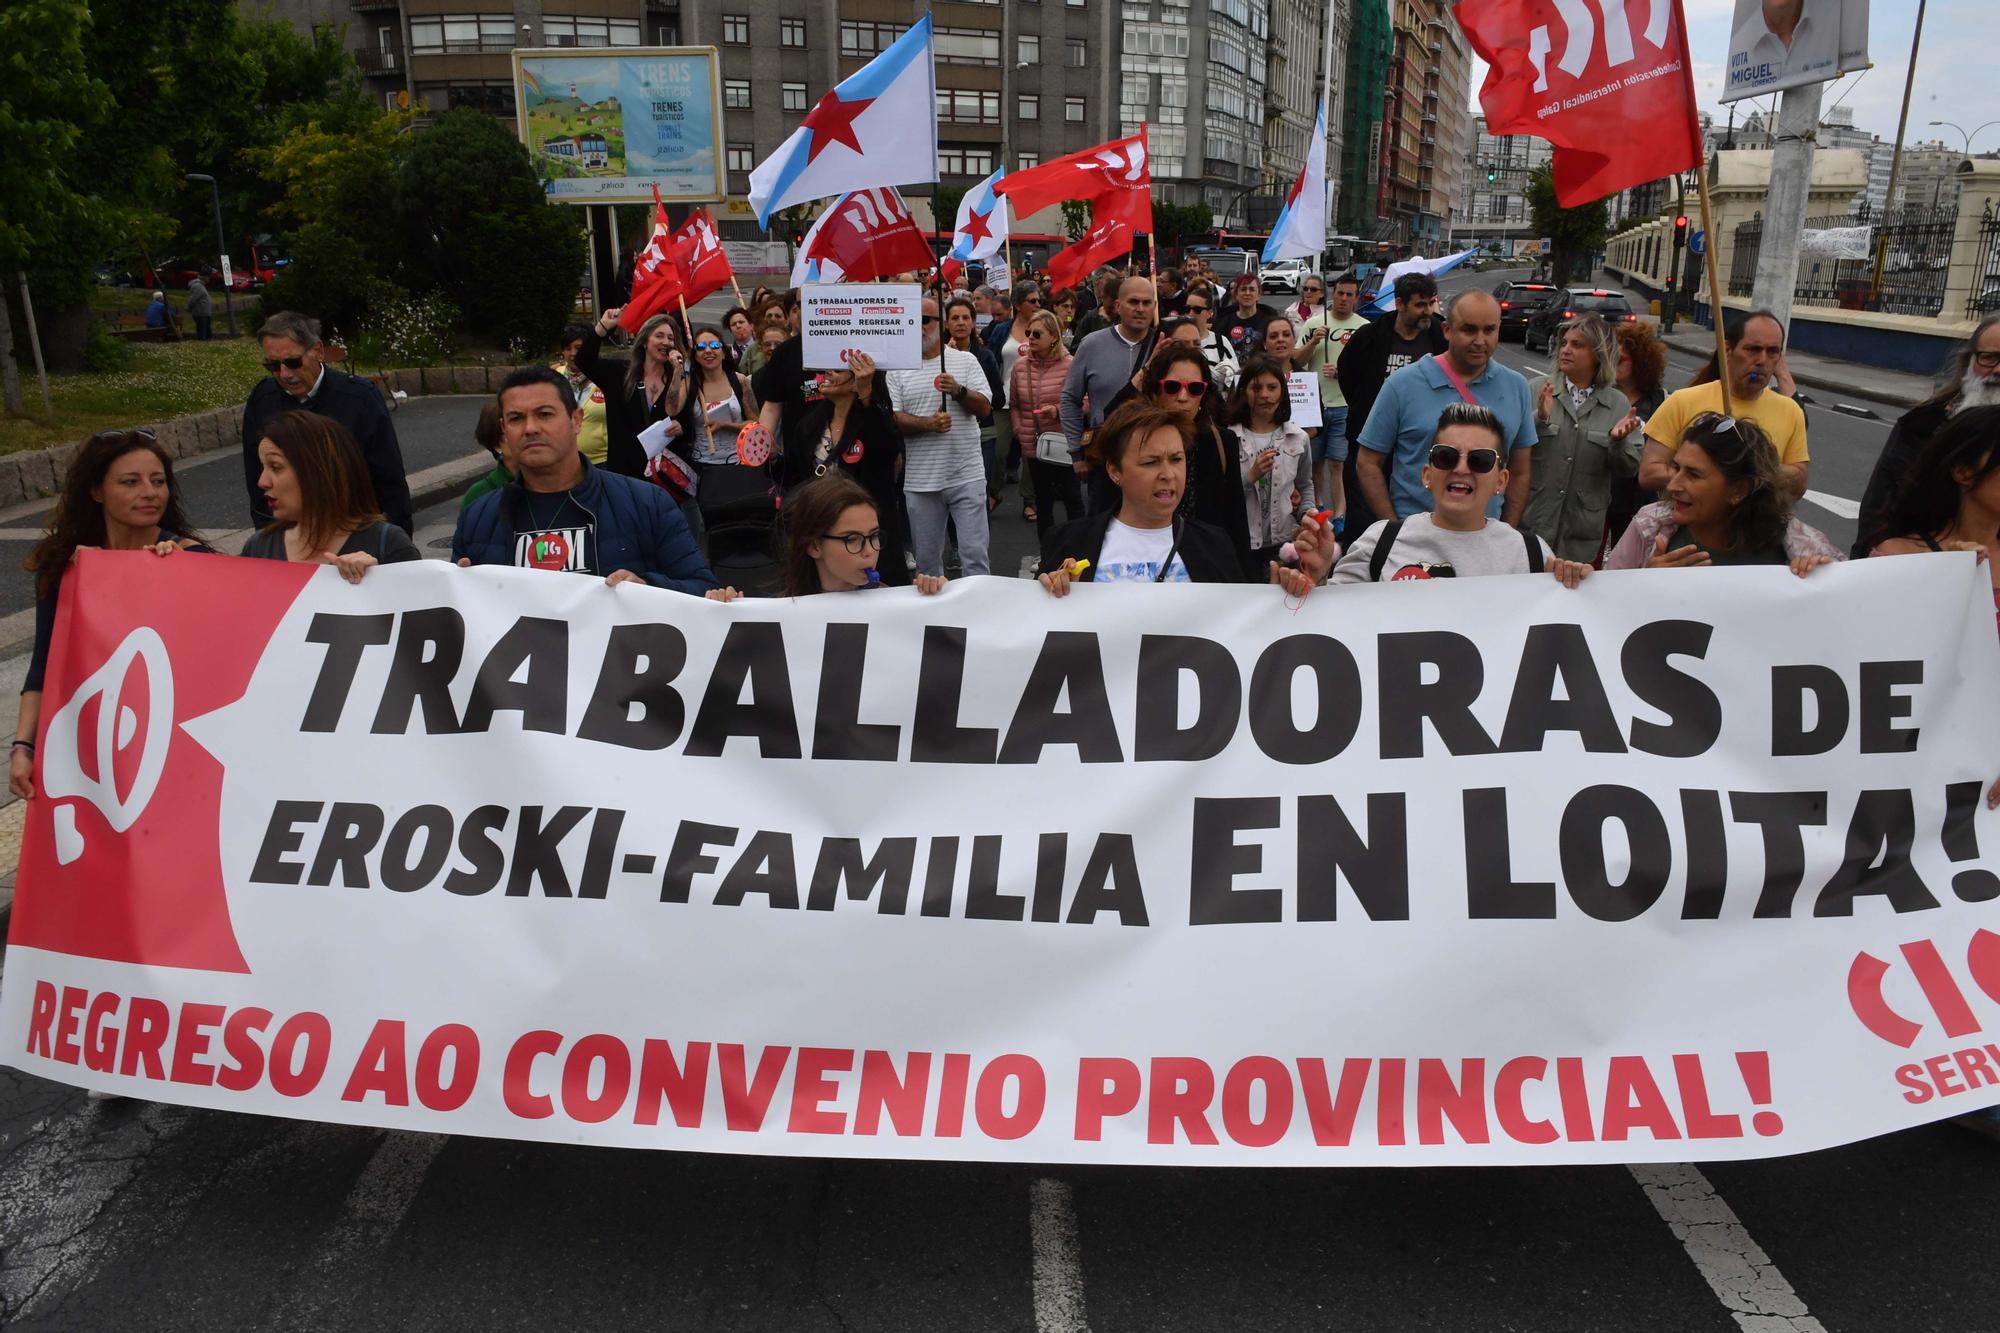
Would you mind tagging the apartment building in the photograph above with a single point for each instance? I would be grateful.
(1424, 124)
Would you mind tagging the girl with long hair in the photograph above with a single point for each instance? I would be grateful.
(119, 496)
(720, 404)
(1276, 458)
(648, 386)
(1949, 500)
(833, 542)
(322, 503)
(1035, 389)
(1726, 504)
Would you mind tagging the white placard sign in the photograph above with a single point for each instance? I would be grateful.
(1303, 386)
(883, 319)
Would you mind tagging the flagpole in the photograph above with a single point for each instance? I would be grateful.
(1707, 217)
(694, 372)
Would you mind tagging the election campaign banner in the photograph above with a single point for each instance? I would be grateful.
(883, 319)
(1678, 865)
(1777, 44)
(605, 128)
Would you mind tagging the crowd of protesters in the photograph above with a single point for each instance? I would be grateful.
(1153, 438)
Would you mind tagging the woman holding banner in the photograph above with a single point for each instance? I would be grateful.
(1726, 504)
(1143, 450)
(835, 542)
(845, 429)
(119, 496)
(1949, 500)
(323, 508)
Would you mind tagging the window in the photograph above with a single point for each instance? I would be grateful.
(791, 32)
(1073, 110)
(1030, 107)
(965, 161)
(794, 96)
(736, 29)
(1077, 4)
(1027, 160)
(462, 32)
(1027, 50)
(494, 98)
(667, 34)
(736, 94)
(1076, 53)
(968, 46)
(564, 30)
(968, 106)
(742, 156)
(864, 41)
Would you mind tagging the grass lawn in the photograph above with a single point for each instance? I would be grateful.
(166, 380)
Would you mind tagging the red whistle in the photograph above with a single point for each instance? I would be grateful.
(1322, 516)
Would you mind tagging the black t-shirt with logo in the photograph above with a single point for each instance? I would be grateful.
(552, 531)
(1407, 351)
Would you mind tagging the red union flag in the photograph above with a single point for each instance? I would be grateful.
(1114, 176)
(1108, 239)
(866, 234)
(698, 254)
(1615, 98)
(656, 275)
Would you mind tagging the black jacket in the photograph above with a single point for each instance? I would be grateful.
(354, 403)
(1215, 480)
(1207, 551)
(626, 414)
(1365, 365)
(1907, 439)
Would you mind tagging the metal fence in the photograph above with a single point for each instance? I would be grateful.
(1913, 243)
(1985, 298)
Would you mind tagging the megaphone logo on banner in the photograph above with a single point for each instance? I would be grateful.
(70, 770)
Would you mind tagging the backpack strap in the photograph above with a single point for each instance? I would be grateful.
(1534, 552)
(1378, 559)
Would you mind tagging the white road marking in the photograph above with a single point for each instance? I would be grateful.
(1735, 1267)
(374, 1208)
(1833, 504)
(1058, 1264)
(55, 1188)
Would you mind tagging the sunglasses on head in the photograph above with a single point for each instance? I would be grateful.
(1444, 457)
(1192, 388)
(288, 362)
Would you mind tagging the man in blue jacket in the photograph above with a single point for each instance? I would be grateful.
(560, 513)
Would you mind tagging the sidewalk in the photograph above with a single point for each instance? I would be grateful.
(1841, 378)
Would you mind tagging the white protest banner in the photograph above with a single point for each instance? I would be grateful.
(1679, 865)
(883, 319)
(1303, 387)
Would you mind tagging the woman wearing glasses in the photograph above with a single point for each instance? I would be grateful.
(1726, 504)
(835, 542)
(844, 429)
(1147, 538)
(1311, 303)
(1466, 468)
(1035, 389)
(1177, 380)
(119, 496)
(720, 404)
(1221, 353)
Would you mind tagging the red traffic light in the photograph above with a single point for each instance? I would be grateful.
(1681, 223)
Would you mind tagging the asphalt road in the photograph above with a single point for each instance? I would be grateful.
(127, 1215)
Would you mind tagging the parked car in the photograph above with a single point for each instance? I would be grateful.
(1517, 301)
(1283, 276)
(1612, 307)
(1226, 263)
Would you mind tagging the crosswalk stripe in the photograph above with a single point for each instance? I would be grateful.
(1058, 1267)
(1735, 1267)
(1834, 504)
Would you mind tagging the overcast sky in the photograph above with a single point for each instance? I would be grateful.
(1955, 68)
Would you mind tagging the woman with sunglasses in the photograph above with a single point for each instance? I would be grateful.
(1146, 537)
(1726, 504)
(1035, 389)
(844, 428)
(1311, 303)
(1465, 469)
(835, 542)
(119, 495)
(720, 404)
(1177, 380)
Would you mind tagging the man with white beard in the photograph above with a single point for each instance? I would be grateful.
(1972, 379)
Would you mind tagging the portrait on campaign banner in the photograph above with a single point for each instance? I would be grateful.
(1788, 43)
(606, 129)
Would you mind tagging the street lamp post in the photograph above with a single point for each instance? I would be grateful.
(1961, 129)
(222, 244)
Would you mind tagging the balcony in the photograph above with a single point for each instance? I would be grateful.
(373, 6)
(1437, 50)
(374, 61)
(1430, 94)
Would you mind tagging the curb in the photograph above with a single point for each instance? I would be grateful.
(1816, 379)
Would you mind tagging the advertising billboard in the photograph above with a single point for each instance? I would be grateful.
(1778, 44)
(605, 126)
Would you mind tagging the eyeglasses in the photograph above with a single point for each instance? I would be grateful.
(1029, 300)
(708, 345)
(1315, 291)
(288, 362)
(930, 319)
(1175, 388)
(1194, 309)
(1986, 360)
(1444, 457)
(856, 542)
(1037, 333)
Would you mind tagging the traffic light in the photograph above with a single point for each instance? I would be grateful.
(1680, 231)
(1491, 175)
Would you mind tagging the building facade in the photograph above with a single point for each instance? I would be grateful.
(1494, 211)
(1424, 124)
(1370, 46)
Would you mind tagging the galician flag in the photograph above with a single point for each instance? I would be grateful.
(982, 225)
(1300, 231)
(878, 127)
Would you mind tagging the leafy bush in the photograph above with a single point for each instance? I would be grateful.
(404, 330)
(104, 351)
(329, 278)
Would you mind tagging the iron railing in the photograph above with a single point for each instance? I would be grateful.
(1913, 243)
(1985, 298)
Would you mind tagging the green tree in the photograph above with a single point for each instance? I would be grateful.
(945, 200)
(1577, 233)
(48, 100)
(477, 226)
(336, 199)
(1176, 224)
(1076, 218)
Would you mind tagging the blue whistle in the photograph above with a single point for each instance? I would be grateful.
(874, 577)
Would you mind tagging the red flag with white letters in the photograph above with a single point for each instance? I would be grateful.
(1116, 177)
(698, 253)
(1613, 95)
(657, 281)
(1108, 239)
